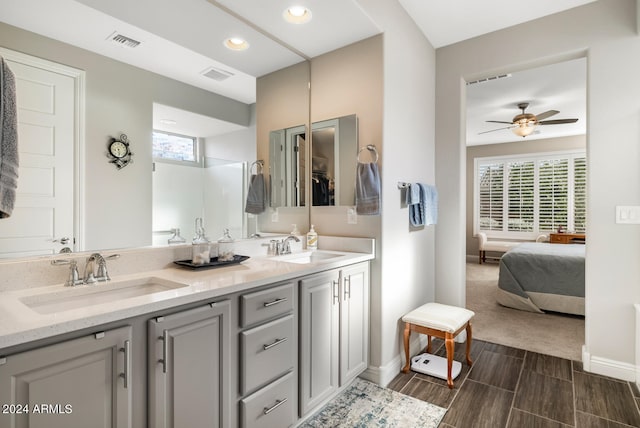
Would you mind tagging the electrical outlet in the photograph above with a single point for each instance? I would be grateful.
(627, 214)
(352, 216)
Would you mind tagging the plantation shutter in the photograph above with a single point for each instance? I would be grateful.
(520, 195)
(553, 194)
(580, 194)
(490, 195)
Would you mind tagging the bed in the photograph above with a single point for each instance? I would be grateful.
(540, 277)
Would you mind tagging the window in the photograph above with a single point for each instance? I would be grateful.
(175, 147)
(532, 194)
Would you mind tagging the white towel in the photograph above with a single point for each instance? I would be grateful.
(8, 140)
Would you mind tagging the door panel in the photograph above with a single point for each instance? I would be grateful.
(44, 208)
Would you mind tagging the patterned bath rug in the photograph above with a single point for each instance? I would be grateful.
(366, 405)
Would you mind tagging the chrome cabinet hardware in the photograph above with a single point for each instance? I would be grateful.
(275, 302)
(279, 403)
(336, 292)
(165, 350)
(99, 335)
(347, 288)
(127, 363)
(277, 342)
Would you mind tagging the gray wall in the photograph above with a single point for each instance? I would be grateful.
(605, 32)
(505, 149)
(119, 99)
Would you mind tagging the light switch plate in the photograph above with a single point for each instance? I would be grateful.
(627, 214)
(352, 216)
(274, 216)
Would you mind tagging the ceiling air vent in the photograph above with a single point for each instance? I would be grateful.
(488, 79)
(217, 74)
(122, 40)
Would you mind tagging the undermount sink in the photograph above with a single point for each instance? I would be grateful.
(306, 257)
(102, 292)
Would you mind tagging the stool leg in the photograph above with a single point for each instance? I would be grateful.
(407, 333)
(469, 338)
(428, 344)
(480, 257)
(449, 344)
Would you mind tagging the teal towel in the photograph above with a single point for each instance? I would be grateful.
(422, 200)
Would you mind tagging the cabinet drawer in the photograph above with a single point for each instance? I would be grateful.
(268, 351)
(266, 304)
(271, 407)
(558, 239)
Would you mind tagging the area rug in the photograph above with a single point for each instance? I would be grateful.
(364, 405)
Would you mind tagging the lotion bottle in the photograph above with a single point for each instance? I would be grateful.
(312, 239)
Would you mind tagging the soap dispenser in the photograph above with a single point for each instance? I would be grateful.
(312, 239)
(225, 247)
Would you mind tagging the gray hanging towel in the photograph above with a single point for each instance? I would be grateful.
(8, 140)
(367, 189)
(256, 195)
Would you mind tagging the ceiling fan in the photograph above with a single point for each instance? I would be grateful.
(525, 123)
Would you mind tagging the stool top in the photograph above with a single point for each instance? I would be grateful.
(439, 317)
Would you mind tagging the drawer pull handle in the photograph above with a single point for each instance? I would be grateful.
(277, 342)
(275, 302)
(127, 363)
(279, 403)
(165, 350)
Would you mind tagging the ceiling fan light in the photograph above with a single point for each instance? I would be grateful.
(524, 129)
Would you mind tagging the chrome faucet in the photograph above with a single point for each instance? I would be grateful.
(74, 278)
(285, 247)
(90, 275)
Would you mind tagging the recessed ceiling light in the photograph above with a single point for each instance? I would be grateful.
(236, 44)
(168, 121)
(297, 15)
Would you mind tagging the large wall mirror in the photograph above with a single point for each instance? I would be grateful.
(333, 161)
(138, 206)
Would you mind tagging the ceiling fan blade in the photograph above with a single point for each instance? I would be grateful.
(498, 121)
(557, 121)
(546, 114)
(499, 129)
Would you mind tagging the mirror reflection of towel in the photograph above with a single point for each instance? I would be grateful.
(256, 195)
(8, 140)
(367, 189)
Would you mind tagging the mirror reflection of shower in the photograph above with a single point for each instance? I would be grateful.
(200, 170)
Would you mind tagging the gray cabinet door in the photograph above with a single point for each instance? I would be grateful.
(354, 321)
(188, 368)
(319, 311)
(72, 384)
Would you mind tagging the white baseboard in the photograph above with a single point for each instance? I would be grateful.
(383, 375)
(606, 367)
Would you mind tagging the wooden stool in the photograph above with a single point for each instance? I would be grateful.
(443, 321)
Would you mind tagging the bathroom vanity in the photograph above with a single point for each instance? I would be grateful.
(259, 344)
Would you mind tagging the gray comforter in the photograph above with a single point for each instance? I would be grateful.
(543, 268)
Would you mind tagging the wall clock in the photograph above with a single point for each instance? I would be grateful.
(119, 151)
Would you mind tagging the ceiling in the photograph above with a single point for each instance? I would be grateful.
(182, 39)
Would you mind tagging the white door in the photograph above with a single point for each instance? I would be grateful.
(42, 221)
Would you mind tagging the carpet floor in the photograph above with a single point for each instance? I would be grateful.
(366, 405)
(554, 334)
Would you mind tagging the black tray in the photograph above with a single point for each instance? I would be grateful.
(214, 263)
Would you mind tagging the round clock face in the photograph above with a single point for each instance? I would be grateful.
(118, 149)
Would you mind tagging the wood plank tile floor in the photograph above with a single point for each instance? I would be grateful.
(514, 388)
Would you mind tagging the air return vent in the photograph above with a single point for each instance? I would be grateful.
(217, 74)
(488, 79)
(122, 40)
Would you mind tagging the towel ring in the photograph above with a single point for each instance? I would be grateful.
(259, 166)
(371, 148)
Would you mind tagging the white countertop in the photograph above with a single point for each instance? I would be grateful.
(20, 324)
